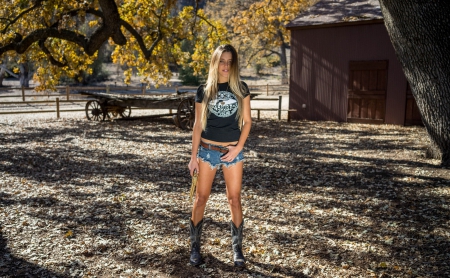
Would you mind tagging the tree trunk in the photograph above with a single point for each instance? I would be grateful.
(24, 73)
(283, 60)
(419, 34)
(2, 75)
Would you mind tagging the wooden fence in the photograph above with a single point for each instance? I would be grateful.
(65, 97)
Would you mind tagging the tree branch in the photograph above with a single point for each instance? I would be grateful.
(39, 34)
(110, 28)
(52, 60)
(36, 5)
(147, 52)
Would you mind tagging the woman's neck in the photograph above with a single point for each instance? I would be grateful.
(222, 81)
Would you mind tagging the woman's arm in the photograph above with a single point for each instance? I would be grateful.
(247, 123)
(196, 136)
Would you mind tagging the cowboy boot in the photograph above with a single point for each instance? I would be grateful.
(236, 238)
(195, 234)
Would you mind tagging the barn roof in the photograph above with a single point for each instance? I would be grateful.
(331, 12)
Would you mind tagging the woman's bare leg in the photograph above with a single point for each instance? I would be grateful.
(233, 180)
(204, 183)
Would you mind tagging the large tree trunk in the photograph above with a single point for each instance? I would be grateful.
(419, 33)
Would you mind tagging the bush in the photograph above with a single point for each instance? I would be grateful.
(186, 73)
(187, 76)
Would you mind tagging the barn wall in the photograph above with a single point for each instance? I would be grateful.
(320, 66)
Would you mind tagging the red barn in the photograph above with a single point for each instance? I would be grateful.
(344, 67)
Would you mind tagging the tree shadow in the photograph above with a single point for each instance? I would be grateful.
(13, 266)
(291, 158)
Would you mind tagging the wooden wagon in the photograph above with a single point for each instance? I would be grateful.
(110, 106)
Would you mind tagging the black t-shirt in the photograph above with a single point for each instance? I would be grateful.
(222, 124)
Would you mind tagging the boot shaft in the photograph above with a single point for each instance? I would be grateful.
(195, 233)
(236, 238)
(237, 235)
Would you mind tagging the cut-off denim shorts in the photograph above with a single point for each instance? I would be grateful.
(213, 158)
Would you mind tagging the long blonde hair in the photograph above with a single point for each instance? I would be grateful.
(234, 82)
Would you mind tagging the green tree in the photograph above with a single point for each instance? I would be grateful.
(419, 33)
(65, 36)
(186, 73)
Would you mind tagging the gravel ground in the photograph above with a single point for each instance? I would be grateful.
(321, 199)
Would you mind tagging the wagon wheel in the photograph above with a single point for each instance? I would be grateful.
(125, 112)
(175, 121)
(186, 113)
(94, 111)
(112, 114)
(116, 111)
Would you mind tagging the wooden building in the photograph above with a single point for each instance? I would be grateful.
(344, 67)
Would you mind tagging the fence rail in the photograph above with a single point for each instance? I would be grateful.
(279, 108)
(76, 97)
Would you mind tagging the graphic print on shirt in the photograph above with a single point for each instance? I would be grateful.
(224, 105)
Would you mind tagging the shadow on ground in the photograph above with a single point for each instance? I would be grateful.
(322, 198)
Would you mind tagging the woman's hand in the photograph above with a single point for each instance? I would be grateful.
(232, 153)
(193, 166)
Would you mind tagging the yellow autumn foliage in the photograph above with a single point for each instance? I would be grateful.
(257, 27)
(263, 22)
(154, 42)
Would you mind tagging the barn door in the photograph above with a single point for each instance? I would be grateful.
(412, 113)
(367, 91)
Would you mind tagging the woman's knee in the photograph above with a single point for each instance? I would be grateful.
(200, 200)
(234, 201)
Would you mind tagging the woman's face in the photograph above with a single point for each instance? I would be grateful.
(224, 67)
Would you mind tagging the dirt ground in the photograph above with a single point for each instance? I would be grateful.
(320, 199)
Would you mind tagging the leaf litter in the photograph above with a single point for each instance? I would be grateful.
(320, 199)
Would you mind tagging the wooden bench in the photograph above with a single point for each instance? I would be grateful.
(279, 109)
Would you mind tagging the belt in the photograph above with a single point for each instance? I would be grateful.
(214, 147)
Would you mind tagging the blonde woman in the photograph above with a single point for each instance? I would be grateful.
(222, 125)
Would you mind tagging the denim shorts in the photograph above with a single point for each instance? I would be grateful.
(213, 158)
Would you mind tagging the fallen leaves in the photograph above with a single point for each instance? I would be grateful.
(321, 199)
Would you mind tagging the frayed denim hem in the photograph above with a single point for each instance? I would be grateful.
(213, 158)
(226, 164)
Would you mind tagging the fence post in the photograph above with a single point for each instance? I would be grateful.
(57, 107)
(143, 89)
(107, 89)
(267, 89)
(23, 93)
(67, 92)
(279, 107)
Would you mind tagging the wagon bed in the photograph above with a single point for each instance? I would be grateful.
(112, 105)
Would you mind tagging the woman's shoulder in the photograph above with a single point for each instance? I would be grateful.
(201, 88)
(245, 87)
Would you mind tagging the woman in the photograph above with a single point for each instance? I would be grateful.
(222, 124)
